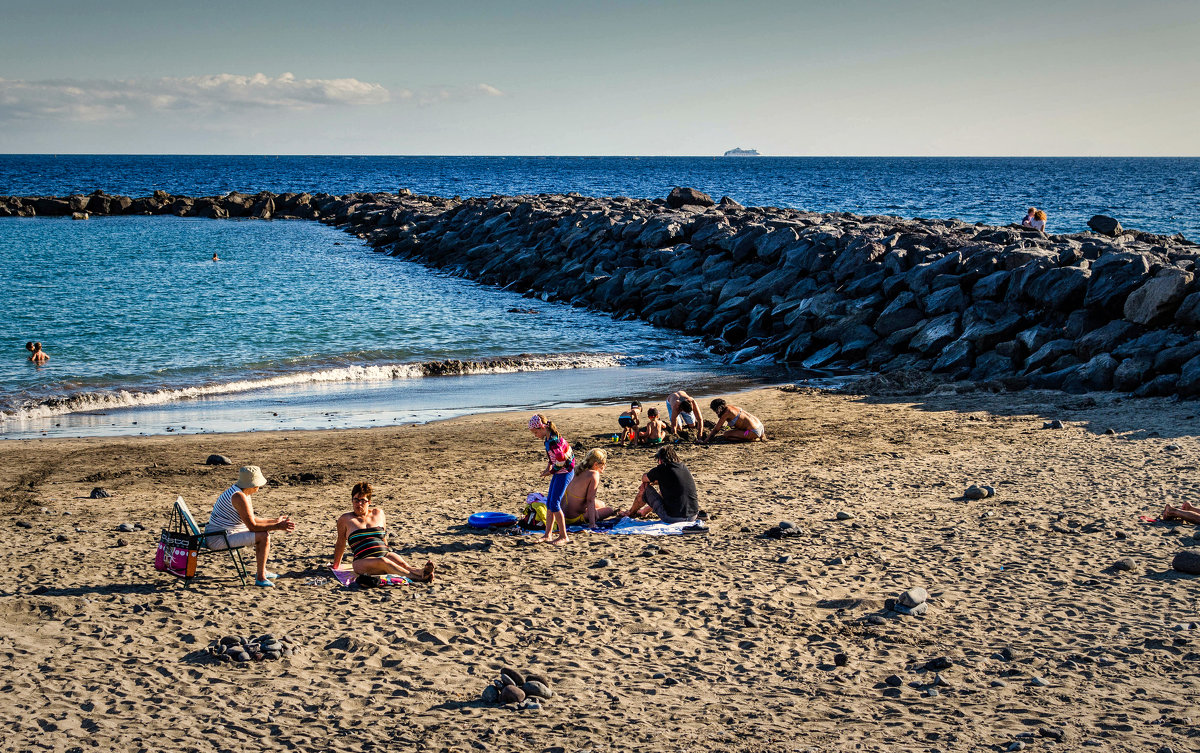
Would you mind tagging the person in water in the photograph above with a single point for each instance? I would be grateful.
(743, 426)
(215, 257)
(233, 513)
(579, 500)
(675, 500)
(560, 467)
(37, 355)
(364, 529)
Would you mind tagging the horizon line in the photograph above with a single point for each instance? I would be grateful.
(606, 156)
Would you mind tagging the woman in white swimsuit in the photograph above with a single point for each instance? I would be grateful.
(743, 426)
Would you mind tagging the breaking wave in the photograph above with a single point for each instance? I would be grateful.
(101, 400)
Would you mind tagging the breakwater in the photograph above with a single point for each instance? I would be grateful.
(1003, 307)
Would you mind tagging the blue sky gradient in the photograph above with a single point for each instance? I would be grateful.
(679, 78)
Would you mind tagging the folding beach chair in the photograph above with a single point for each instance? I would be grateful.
(184, 522)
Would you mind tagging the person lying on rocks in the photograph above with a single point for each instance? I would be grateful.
(675, 500)
(683, 413)
(655, 431)
(743, 425)
(1184, 512)
(579, 500)
(233, 513)
(364, 528)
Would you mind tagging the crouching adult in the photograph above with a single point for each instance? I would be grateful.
(233, 513)
(674, 500)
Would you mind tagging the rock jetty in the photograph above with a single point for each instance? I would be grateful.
(1000, 307)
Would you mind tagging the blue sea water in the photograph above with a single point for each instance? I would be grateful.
(1160, 195)
(301, 326)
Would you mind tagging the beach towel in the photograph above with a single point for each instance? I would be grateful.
(346, 578)
(631, 527)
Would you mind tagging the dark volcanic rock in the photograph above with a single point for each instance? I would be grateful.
(680, 197)
(1105, 225)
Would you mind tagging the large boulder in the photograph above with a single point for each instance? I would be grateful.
(1105, 225)
(1114, 277)
(1189, 310)
(1159, 297)
(936, 334)
(681, 197)
(901, 313)
(1096, 374)
(1189, 378)
(1105, 339)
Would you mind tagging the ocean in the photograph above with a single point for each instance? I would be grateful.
(300, 326)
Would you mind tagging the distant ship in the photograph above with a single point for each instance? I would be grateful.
(742, 153)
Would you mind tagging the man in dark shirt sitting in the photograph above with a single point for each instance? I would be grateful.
(674, 501)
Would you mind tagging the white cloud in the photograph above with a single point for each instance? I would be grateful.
(489, 90)
(437, 95)
(105, 100)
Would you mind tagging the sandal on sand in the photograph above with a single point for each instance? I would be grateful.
(266, 583)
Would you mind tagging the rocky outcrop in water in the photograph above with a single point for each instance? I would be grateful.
(1003, 307)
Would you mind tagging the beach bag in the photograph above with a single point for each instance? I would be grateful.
(533, 513)
(177, 554)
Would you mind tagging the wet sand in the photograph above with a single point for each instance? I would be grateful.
(713, 643)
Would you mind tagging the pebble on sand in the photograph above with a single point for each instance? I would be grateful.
(218, 460)
(1187, 561)
(1125, 564)
(99, 492)
(843, 515)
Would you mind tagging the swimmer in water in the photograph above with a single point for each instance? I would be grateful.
(215, 257)
(38, 356)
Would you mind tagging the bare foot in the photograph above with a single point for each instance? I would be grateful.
(560, 542)
(1187, 506)
(1168, 513)
(427, 573)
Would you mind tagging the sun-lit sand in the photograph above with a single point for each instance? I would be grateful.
(724, 641)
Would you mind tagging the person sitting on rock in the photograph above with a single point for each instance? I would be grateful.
(655, 431)
(364, 529)
(37, 355)
(675, 500)
(743, 425)
(682, 411)
(1039, 221)
(579, 500)
(233, 513)
(1184, 512)
(1029, 216)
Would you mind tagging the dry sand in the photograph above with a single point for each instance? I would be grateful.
(714, 643)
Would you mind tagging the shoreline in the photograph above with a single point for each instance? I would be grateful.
(1004, 308)
(676, 634)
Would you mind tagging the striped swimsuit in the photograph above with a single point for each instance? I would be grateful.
(224, 517)
(367, 542)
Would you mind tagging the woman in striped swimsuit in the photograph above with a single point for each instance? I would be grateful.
(364, 529)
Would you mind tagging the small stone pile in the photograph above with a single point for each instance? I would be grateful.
(785, 530)
(516, 690)
(235, 649)
(913, 602)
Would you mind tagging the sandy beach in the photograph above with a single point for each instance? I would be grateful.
(724, 641)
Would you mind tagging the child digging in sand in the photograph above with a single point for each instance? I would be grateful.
(629, 423)
(656, 429)
(560, 467)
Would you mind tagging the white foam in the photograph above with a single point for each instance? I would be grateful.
(111, 399)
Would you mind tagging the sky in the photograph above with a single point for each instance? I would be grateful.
(848, 77)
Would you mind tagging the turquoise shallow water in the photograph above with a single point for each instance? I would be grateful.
(137, 318)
